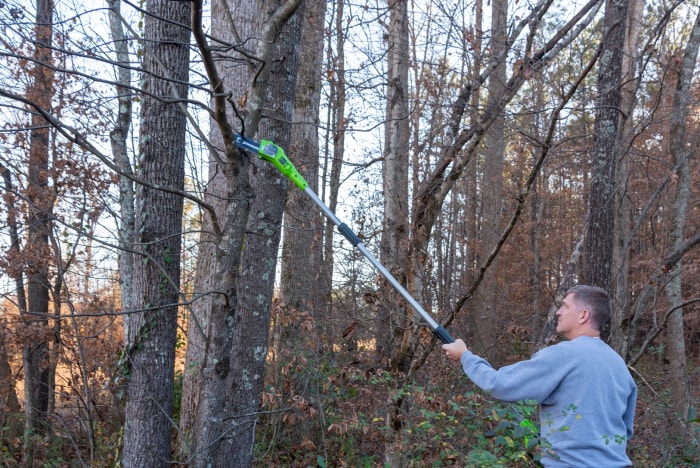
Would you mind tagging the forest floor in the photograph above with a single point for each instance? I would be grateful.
(451, 423)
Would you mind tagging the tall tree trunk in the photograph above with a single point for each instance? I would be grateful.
(118, 140)
(485, 308)
(335, 148)
(621, 254)
(302, 253)
(472, 205)
(10, 402)
(302, 294)
(229, 355)
(680, 149)
(608, 120)
(395, 176)
(152, 335)
(36, 350)
(393, 317)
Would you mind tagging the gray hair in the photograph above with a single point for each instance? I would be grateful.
(597, 300)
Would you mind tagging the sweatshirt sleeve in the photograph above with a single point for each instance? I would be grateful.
(629, 413)
(533, 379)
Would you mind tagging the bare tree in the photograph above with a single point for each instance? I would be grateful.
(395, 330)
(681, 147)
(302, 251)
(40, 198)
(118, 139)
(484, 313)
(228, 330)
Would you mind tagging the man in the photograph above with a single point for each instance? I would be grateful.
(586, 394)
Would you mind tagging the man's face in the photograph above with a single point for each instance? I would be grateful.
(568, 316)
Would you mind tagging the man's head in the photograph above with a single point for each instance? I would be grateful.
(584, 311)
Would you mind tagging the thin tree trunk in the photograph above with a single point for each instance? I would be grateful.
(118, 140)
(393, 318)
(680, 149)
(10, 402)
(36, 350)
(335, 151)
(9, 405)
(486, 320)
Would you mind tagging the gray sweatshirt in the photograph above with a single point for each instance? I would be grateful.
(586, 394)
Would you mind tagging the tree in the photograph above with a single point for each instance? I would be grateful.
(394, 317)
(302, 251)
(150, 345)
(630, 82)
(40, 198)
(302, 293)
(118, 140)
(485, 311)
(228, 329)
(393, 313)
(680, 145)
(606, 145)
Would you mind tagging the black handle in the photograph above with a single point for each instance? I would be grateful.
(443, 335)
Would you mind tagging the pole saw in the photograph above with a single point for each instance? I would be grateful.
(267, 150)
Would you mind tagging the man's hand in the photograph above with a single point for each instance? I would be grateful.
(454, 350)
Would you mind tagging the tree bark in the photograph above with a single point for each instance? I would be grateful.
(152, 335)
(621, 255)
(680, 150)
(10, 402)
(302, 252)
(228, 332)
(118, 140)
(608, 121)
(36, 350)
(485, 307)
(392, 311)
(394, 320)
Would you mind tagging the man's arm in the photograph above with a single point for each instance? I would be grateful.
(533, 379)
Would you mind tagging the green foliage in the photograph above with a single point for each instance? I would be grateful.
(351, 429)
(473, 430)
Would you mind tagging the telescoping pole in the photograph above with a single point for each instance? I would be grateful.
(268, 151)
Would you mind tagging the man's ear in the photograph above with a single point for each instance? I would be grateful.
(585, 315)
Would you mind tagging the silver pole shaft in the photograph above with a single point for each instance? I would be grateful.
(350, 236)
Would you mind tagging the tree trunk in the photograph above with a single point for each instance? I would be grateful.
(118, 140)
(599, 241)
(158, 216)
(621, 253)
(680, 149)
(303, 238)
(335, 153)
(302, 295)
(227, 358)
(36, 350)
(393, 316)
(395, 177)
(10, 403)
(485, 309)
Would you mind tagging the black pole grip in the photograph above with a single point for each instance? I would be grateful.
(443, 335)
(349, 235)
